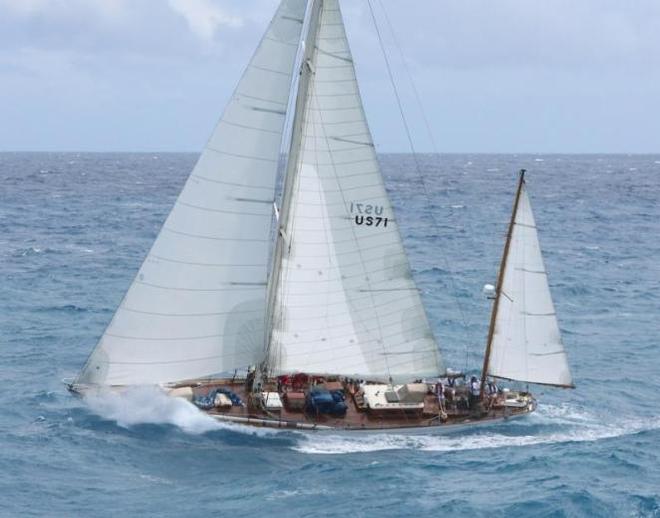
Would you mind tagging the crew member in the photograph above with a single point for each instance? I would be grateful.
(440, 393)
(475, 390)
(492, 393)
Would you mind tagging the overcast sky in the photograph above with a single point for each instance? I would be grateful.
(494, 75)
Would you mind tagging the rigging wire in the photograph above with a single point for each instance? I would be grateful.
(464, 319)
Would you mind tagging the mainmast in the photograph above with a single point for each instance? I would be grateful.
(500, 280)
(282, 240)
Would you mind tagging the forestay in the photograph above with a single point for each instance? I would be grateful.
(346, 302)
(197, 305)
(526, 343)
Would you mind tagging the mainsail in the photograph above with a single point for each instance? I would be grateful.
(344, 299)
(526, 344)
(197, 305)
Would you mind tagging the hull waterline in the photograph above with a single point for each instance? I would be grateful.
(296, 426)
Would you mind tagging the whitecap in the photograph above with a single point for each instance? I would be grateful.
(150, 405)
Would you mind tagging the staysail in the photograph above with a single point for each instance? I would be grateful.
(526, 344)
(197, 305)
(345, 301)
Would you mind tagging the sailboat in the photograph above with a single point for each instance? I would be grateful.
(300, 311)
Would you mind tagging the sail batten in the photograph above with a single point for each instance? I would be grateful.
(345, 301)
(526, 343)
(197, 305)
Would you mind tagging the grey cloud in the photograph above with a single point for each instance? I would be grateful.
(495, 75)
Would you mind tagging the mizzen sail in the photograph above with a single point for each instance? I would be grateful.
(526, 344)
(197, 305)
(345, 300)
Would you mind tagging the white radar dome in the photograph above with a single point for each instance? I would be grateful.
(489, 290)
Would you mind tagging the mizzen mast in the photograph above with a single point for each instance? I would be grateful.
(500, 281)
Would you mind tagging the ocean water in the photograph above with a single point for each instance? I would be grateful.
(73, 230)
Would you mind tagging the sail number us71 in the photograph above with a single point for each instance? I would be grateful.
(368, 214)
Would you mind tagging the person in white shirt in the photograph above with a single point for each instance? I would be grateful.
(475, 391)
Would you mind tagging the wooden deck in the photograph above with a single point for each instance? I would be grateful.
(358, 416)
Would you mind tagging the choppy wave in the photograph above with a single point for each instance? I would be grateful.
(552, 424)
(65, 264)
(568, 424)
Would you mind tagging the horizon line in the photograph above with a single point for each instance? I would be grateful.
(180, 152)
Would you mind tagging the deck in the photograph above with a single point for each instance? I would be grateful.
(359, 417)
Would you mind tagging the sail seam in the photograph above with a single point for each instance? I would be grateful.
(215, 238)
(338, 241)
(233, 184)
(214, 314)
(376, 290)
(398, 311)
(350, 141)
(238, 96)
(332, 337)
(377, 348)
(267, 110)
(348, 108)
(331, 96)
(176, 288)
(342, 203)
(334, 67)
(173, 338)
(271, 70)
(247, 157)
(223, 211)
(342, 254)
(336, 123)
(344, 176)
(540, 272)
(335, 55)
(173, 362)
(245, 126)
(293, 19)
(334, 81)
(222, 265)
(360, 147)
(326, 191)
(356, 299)
(275, 40)
(337, 268)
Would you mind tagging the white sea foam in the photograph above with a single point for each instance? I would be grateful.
(571, 425)
(150, 405)
(553, 424)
